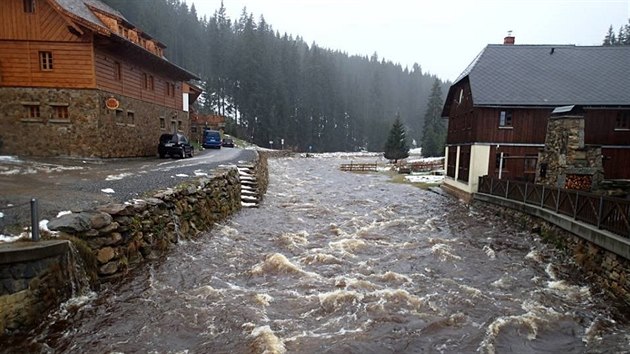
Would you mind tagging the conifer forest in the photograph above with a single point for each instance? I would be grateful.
(274, 86)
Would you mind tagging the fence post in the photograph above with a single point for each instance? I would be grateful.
(542, 197)
(491, 186)
(575, 207)
(601, 211)
(507, 188)
(557, 200)
(525, 194)
(34, 220)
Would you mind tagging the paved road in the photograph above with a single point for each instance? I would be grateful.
(74, 184)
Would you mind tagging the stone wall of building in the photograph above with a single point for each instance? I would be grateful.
(565, 161)
(603, 269)
(32, 125)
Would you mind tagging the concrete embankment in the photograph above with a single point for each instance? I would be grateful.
(111, 239)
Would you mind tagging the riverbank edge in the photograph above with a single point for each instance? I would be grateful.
(606, 270)
(110, 240)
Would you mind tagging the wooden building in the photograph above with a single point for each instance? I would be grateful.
(77, 79)
(499, 109)
(199, 121)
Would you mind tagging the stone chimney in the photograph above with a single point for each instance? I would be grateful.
(509, 39)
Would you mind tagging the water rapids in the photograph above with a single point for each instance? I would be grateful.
(338, 262)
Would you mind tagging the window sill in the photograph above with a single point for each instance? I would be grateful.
(59, 121)
(622, 129)
(506, 127)
(32, 120)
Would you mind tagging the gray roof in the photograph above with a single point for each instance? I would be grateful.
(550, 75)
(80, 8)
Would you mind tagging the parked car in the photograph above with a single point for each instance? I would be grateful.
(228, 142)
(211, 139)
(175, 145)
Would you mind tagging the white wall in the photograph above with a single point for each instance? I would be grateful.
(479, 162)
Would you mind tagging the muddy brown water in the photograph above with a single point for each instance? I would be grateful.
(337, 262)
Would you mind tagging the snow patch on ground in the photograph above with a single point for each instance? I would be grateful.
(8, 238)
(118, 176)
(424, 179)
(108, 191)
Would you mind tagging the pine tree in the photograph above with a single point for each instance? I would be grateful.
(396, 147)
(610, 39)
(434, 132)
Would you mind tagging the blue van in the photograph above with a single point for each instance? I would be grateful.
(211, 139)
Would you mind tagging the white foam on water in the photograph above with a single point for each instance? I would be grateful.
(489, 252)
(534, 255)
(349, 283)
(551, 272)
(265, 341)
(325, 335)
(534, 316)
(205, 292)
(228, 231)
(429, 223)
(573, 292)
(400, 296)
(321, 258)
(71, 305)
(294, 239)
(469, 290)
(277, 263)
(443, 252)
(393, 277)
(348, 246)
(505, 282)
(334, 300)
(263, 299)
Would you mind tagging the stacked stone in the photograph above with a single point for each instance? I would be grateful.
(121, 235)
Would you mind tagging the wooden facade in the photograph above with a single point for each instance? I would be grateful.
(87, 53)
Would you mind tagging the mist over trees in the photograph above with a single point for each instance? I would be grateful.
(435, 128)
(622, 37)
(275, 86)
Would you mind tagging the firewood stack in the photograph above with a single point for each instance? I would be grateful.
(578, 182)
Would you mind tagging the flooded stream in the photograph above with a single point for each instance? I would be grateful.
(339, 262)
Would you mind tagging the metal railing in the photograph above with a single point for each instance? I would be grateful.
(34, 208)
(607, 213)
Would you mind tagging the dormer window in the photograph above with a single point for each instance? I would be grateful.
(29, 6)
(505, 119)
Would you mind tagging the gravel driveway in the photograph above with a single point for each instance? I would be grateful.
(81, 184)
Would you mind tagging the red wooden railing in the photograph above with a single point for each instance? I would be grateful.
(612, 214)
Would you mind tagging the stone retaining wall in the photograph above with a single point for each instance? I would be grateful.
(603, 268)
(33, 279)
(122, 235)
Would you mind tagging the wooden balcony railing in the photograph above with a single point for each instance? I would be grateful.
(612, 214)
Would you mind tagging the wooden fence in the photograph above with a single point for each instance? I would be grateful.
(608, 213)
(358, 167)
(425, 166)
